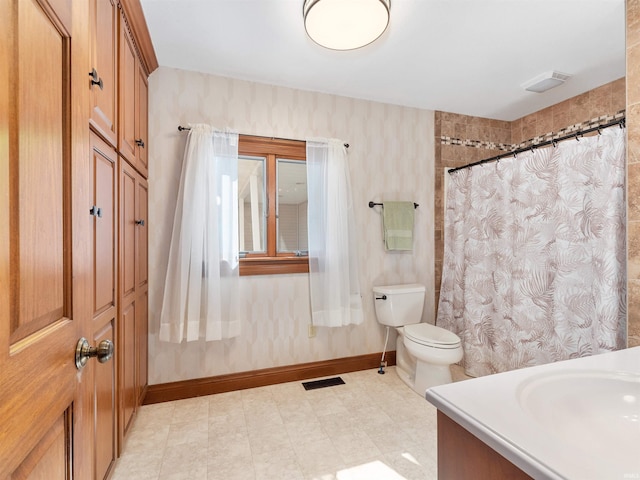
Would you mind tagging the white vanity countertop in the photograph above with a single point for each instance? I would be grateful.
(575, 419)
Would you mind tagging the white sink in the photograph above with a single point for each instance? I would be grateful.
(588, 408)
(574, 419)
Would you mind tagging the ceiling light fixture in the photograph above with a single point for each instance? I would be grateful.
(345, 24)
(545, 81)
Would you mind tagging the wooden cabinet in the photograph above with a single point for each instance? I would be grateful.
(132, 143)
(462, 455)
(103, 76)
(117, 80)
(132, 292)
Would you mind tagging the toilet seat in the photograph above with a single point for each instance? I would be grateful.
(431, 336)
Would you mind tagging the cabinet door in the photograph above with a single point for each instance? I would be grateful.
(127, 96)
(104, 173)
(105, 409)
(141, 232)
(104, 86)
(127, 264)
(127, 358)
(132, 322)
(142, 122)
(142, 286)
(142, 344)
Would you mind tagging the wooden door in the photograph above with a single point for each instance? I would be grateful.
(41, 394)
(104, 169)
(104, 56)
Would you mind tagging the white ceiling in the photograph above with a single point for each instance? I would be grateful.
(461, 56)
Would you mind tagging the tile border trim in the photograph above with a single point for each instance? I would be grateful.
(507, 147)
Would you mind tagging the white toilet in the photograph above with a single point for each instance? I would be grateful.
(424, 352)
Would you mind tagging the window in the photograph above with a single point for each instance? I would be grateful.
(272, 208)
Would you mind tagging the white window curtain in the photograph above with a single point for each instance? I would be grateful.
(201, 287)
(333, 258)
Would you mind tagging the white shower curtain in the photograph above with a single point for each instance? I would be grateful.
(534, 264)
(201, 287)
(333, 258)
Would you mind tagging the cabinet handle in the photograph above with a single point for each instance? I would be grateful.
(140, 222)
(95, 211)
(140, 142)
(95, 80)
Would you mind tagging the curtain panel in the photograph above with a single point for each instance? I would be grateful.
(333, 257)
(201, 287)
(535, 257)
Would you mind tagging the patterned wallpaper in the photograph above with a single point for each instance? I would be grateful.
(391, 156)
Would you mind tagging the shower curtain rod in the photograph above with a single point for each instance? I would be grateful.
(553, 141)
(181, 128)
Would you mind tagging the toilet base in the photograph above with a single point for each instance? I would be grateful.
(430, 375)
(416, 374)
(436, 375)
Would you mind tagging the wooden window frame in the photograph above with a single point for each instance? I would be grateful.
(271, 262)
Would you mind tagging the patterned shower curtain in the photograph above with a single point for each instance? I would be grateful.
(535, 260)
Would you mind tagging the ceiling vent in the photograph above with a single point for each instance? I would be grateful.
(545, 81)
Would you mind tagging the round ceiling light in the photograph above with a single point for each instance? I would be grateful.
(345, 24)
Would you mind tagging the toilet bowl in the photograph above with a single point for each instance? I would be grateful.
(424, 352)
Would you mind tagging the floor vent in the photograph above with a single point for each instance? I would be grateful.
(326, 382)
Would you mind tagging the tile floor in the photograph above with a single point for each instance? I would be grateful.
(373, 427)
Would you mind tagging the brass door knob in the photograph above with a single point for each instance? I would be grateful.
(104, 352)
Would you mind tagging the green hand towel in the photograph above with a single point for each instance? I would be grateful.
(397, 220)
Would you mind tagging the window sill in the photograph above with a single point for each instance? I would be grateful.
(273, 266)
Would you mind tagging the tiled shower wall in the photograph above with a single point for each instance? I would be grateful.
(605, 100)
(390, 158)
(633, 170)
(461, 127)
(461, 139)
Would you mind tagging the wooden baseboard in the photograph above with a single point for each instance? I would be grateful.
(198, 387)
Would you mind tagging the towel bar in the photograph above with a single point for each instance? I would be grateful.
(372, 204)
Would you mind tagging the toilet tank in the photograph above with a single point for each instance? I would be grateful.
(398, 305)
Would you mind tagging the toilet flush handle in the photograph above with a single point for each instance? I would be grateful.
(383, 297)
